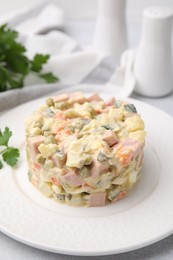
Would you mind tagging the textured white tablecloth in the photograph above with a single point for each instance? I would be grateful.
(10, 249)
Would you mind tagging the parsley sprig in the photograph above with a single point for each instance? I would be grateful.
(9, 154)
(15, 65)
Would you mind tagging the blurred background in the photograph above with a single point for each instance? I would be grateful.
(85, 12)
(85, 8)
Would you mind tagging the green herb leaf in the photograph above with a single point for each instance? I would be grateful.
(48, 77)
(10, 156)
(15, 65)
(5, 136)
(38, 62)
(1, 165)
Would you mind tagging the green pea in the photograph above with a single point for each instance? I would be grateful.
(50, 102)
(40, 159)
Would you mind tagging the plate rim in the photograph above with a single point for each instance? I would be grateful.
(84, 253)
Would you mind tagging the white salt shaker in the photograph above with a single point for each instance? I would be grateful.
(111, 34)
(153, 62)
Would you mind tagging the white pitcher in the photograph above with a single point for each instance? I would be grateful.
(153, 63)
(111, 34)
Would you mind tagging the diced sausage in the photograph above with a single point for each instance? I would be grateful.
(72, 179)
(33, 143)
(58, 163)
(94, 97)
(97, 199)
(110, 137)
(133, 145)
(110, 102)
(62, 97)
(77, 97)
(98, 168)
(125, 155)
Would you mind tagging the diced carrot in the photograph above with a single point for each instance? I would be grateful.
(121, 195)
(60, 115)
(110, 102)
(77, 97)
(37, 166)
(55, 181)
(125, 156)
(62, 132)
(62, 97)
(59, 127)
(35, 180)
(67, 131)
(94, 97)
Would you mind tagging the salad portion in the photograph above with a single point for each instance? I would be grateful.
(84, 151)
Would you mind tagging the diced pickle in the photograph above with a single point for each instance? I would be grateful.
(118, 103)
(107, 127)
(130, 108)
(60, 197)
(48, 112)
(101, 157)
(113, 193)
(60, 154)
(84, 172)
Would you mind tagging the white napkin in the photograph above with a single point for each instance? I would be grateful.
(36, 19)
(71, 63)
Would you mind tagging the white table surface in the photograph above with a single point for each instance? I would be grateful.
(83, 30)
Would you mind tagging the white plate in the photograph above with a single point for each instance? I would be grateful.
(144, 217)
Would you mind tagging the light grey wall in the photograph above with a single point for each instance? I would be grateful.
(85, 8)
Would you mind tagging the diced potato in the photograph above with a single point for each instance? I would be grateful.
(133, 177)
(138, 135)
(71, 113)
(120, 180)
(57, 189)
(116, 113)
(123, 134)
(46, 188)
(114, 192)
(134, 123)
(35, 131)
(48, 122)
(78, 160)
(47, 150)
